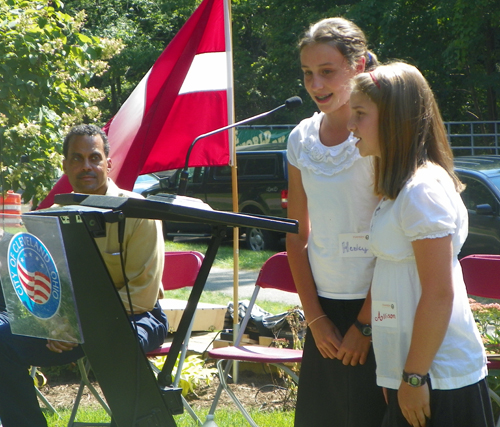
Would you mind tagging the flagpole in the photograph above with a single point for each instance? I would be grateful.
(234, 173)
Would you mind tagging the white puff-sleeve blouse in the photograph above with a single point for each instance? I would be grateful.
(427, 207)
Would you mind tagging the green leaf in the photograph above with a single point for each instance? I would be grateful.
(83, 38)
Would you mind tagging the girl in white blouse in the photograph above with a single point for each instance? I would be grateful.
(428, 350)
(330, 192)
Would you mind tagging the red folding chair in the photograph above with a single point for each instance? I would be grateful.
(275, 274)
(482, 279)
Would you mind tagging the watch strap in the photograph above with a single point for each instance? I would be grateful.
(415, 380)
(365, 329)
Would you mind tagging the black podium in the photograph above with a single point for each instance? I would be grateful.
(135, 396)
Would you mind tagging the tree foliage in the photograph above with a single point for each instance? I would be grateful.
(62, 64)
(46, 64)
(144, 26)
(455, 43)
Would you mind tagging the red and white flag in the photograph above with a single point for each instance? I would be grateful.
(36, 284)
(187, 92)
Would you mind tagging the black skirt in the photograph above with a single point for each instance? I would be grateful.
(462, 407)
(331, 394)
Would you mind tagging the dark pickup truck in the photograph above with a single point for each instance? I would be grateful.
(262, 189)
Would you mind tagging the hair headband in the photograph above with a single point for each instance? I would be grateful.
(374, 79)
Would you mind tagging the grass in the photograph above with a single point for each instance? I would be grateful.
(224, 418)
(213, 297)
(248, 260)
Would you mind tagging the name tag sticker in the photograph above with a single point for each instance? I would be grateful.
(354, 245)
(384, 313)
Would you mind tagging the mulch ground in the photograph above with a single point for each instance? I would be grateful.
(263, 391)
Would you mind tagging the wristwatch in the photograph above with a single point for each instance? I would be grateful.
(415, 380)
(365, 329)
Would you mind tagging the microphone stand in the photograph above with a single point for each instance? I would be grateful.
(290, 103)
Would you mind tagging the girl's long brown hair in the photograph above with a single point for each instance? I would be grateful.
(411, 129)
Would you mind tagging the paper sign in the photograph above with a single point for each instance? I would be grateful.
(384, 313)
(354, 245)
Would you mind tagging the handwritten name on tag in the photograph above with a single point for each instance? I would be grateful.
(384, 313)
(354, 245)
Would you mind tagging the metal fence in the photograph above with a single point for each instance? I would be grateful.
(472, 138)
(466, 138)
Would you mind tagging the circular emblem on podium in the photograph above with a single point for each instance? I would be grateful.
(34, 275)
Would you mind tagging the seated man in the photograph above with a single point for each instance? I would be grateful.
(86, 164)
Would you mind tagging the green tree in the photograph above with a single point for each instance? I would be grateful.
(474, 52)
(266, 66)
(145, 28)
(455, 43)
(46, 63)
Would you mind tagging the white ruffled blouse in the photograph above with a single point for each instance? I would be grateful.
(324, 160)
(339, 186)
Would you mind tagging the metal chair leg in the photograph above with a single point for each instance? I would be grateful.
(40, 395)
(85, 382)
(177, 378)
(223, 374)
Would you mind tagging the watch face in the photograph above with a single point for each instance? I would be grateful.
(365, 329)
(414, 381)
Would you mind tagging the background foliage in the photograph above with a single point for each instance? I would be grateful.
(46, 64)
(79, 61)
(455, 43)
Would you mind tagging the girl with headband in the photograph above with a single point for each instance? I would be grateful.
(429, 353)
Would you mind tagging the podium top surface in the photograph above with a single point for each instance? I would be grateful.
(174, 208)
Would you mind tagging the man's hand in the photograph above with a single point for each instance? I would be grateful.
(354, 348)
(327, 337)
(60, 346)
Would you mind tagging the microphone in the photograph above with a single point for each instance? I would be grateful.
(293, 102)
(290, 103)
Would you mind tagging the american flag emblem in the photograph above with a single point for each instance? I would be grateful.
(34, 276)
(36, 284)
